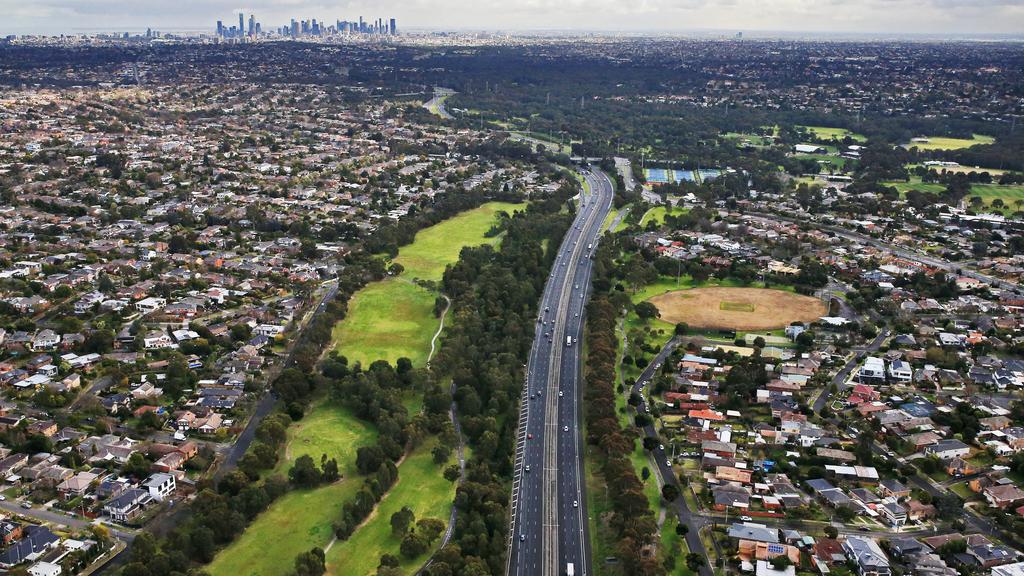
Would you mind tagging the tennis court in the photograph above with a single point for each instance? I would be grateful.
(657, 175)
(709, 173)
(681, 175)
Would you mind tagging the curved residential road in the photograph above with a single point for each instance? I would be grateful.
(691, 519)
(267, 402)
(548, 529)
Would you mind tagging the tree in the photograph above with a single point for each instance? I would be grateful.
(682, 529)
(452, 473)
(694, 561)
(646, 310)
(304, 473)
(430, 529)
(781, 562)
(330, 469)
(311, 563)
(670, 492)
(369, 459)
(413, 545)
(441, 453)
(831, 532)
(401, 520)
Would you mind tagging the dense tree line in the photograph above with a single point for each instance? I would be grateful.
(631, 518)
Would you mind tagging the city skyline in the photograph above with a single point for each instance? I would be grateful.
(882, 17)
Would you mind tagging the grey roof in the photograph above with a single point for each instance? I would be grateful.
(820, 485)
(757, 532)
(866, 552)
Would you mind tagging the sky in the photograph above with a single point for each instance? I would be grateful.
(886, 17)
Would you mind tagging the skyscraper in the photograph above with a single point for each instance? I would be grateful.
(393, 28)
(252, 24)
(220, 28)
(241, 24)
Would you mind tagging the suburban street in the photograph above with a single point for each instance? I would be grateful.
(691, 519)
(549, 519)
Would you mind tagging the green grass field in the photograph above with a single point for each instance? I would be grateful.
(940, 143)
(439, 245)
(422, 488)
(825, 160)
(329, 429)
(916, 184)
(300, 519)
(1010, 195)
(387, 320)
(825, 133)
(753, 139)
(658, 214)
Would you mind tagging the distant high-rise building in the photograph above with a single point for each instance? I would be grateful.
(252, 24)
(220, 28)
(295, 28)
(393, 28)
(241, 24)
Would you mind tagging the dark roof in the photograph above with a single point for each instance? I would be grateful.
(34, 539)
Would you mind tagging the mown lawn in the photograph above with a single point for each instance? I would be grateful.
(301, 519)
(331, 429)
(387, 320)
(940, 143)
(423, 489)
(1009, 194)
(833, 133)
(439, 245)
(294, 523)
(658, 214)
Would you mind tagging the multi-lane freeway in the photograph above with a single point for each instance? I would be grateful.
(549, 520)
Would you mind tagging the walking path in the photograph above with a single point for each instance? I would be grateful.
(433, 341)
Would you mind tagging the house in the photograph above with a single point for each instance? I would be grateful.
(867, 555)
(150, 305)
(755, 532)
(900, 371)
(765, 568)
(872, 371)
(893, 512)
(45, 569)
(128, 505)
(156, 339)
(893, 488)
(160, 485)
(990, 555)
(268, 330)
(34, 542)
(1002, 495)
(1015, 569)
(45, 340)
(917, 511)
(76, 485)
(949, 448)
